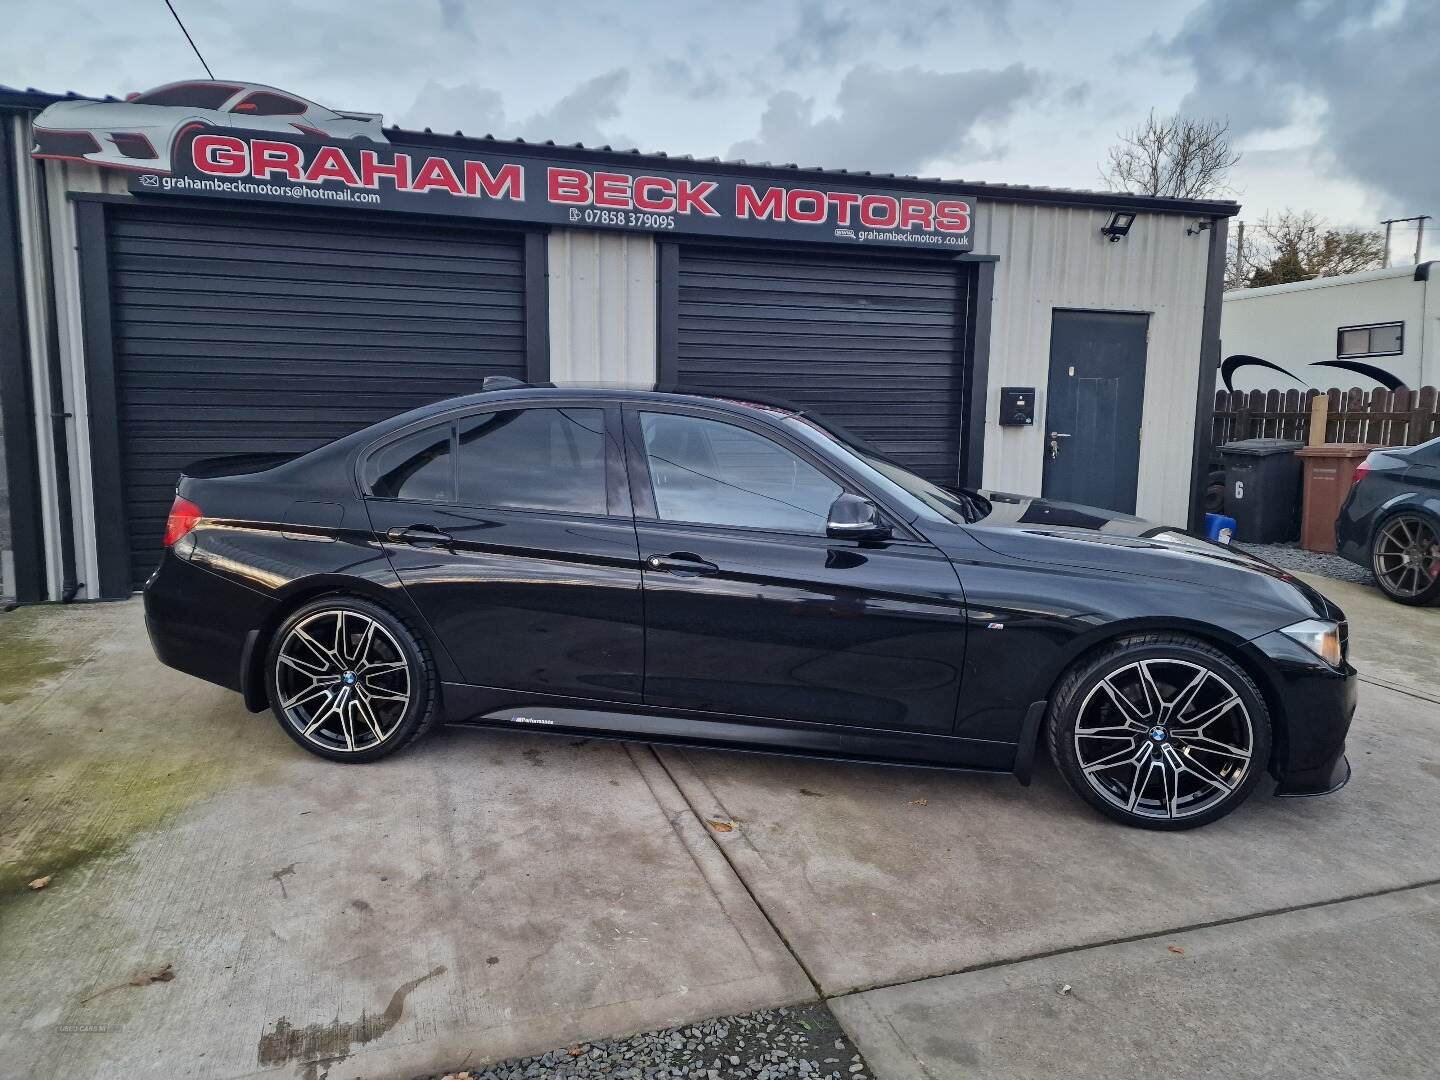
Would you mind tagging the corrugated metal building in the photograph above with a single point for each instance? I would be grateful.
(1060, 341)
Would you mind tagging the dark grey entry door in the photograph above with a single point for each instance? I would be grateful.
(1093, 408)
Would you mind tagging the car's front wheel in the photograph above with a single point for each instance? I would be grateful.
(1161, 731)
(350, 681)
(1405, 556)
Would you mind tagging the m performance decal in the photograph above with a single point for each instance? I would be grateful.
(520, 188)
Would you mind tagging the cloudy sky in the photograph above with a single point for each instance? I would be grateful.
(1333, 102)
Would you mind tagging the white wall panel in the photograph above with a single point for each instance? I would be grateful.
(602, 306)
(35, 282)
(62, 178)
(1052, 257)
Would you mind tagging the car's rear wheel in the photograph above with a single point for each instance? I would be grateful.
(350, 681)
(1160, 731)
(1405, 557)
(187, 129)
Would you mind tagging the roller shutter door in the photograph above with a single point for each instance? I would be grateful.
(241, 333)
(874, 343)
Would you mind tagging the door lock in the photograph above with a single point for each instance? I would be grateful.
(1055, 437)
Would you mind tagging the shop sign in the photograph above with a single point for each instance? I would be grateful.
(310, 156)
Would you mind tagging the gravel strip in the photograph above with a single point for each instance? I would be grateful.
(1293, 557)
(802, 1041)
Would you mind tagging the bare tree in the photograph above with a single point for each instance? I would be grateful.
(1172, 156)
(1299, 246)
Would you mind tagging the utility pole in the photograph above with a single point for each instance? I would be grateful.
(1419, 220)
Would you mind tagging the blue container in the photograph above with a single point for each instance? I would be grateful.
(1220, 528)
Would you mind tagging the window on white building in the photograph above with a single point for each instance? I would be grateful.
(1379, 339)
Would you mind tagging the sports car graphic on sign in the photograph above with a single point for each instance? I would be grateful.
(143, 131)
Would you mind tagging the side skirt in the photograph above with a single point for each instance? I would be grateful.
(804, 740)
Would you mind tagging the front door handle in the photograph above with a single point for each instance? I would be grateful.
(419, 536)
(1055, 437)
(682, 563)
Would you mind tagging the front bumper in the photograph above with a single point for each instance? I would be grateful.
(1317, 781)
(1316, 705)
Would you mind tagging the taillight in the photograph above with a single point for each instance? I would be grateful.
(1360, 472)
(184, 515)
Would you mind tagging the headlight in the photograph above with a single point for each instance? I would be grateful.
(1320, 636)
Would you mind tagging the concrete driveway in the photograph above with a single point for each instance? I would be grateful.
(223, 904)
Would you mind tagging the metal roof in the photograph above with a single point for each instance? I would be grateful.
(31, 98)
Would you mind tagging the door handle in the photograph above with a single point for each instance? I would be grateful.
(419, 536)
(1055, 437)
(682, 563)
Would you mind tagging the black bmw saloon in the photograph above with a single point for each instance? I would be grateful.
(684, 567)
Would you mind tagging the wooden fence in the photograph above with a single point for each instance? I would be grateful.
(1380, 417)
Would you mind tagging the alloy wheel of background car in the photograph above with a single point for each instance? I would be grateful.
(1405, 557)
(349, 681)
(1164, 736)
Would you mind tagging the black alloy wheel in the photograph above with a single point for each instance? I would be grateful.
(1160, 731)
(350, 681)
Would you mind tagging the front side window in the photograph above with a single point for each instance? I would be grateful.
(264, 103)
(712, 473)
(534, 459)
(1382, 339)
(189, 95)
(418, 466)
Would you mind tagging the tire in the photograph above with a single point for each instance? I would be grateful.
(353, 702)
(1215, 493)
(1188, 774)
(1405, 558)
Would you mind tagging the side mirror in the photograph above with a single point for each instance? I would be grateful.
(854, 518)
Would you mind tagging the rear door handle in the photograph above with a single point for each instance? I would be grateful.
(682, 563)
(419, 536)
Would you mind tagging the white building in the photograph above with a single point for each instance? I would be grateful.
(1373, 329)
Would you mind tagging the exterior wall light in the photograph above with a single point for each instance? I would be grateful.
(1119, 226)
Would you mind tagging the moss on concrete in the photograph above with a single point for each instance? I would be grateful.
(61, 815)
(27, 660)
(81, 777)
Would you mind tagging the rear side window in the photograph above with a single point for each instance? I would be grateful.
(534, 459)
(712, 473)
(418, 466)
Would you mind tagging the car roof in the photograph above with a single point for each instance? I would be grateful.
(618, 393)
(240, 85)
(602, 391)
